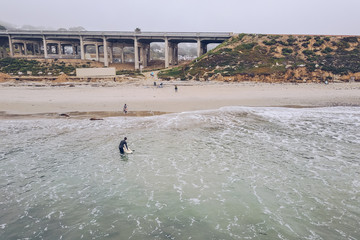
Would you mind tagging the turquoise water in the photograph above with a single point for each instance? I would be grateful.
(232, 173)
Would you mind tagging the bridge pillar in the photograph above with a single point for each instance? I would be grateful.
(176, 54)
(82, 48)
(148, 53)
(201, 48)
(198, 47)
(136, 53)
(111, 53)
(122, 55)
(45, 47)
(166, 52)
(171, 53)
(97, 52)
(141, 54)
(106, 60)
(33, 49)
(25, 48)
(145, 54)
(59, 49)
(20, 46)
(11, 47)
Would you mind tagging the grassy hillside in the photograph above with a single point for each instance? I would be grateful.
(37, 68)
(274, 58)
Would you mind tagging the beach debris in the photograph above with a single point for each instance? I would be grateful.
(95, 119)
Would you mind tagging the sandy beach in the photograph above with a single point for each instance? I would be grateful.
(143, 98)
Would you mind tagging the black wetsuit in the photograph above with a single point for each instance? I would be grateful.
(121, 146)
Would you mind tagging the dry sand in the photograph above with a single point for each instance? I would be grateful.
(142, 96)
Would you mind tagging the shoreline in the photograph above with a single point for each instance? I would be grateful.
(102, 99)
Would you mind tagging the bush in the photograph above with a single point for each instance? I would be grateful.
(14, 65)
(245, 46)
(327, 50)
(241, 36)
(343, 44)
(308, 52)
(291, 40)
(176, 72)
(350, 39)
(318, 42)
(311, 67)
(270, 43)
(283, 43)
(274, 36)
(286, 51)
(305, 44)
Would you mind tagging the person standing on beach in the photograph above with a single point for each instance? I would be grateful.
(125, 109)
(122, 144)
(176, 88)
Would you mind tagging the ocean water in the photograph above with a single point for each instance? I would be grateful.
(231, 173)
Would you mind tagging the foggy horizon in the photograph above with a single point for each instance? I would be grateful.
(313, 17)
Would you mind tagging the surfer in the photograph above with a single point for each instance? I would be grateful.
(122, 144)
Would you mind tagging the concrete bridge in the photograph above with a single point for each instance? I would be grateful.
(75, 45)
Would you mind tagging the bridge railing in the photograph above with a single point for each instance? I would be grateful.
(119, 33)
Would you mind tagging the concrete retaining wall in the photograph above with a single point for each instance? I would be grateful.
(95, 72)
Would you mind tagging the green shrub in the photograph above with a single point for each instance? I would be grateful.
(176, 72)
(343, 44)
(327, 50)
(14, 65)
(283, 43)
(286, 51)
(245, 46)
(270, 43)
(350, 39)
(311, 67)
(318, 42)
(291, 40)
(274, 36)
(305, 44)
(308, 52)
(241, 36)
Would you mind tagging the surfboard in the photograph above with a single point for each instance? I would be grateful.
(127, 150)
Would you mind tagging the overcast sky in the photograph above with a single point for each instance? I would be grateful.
(238, 16)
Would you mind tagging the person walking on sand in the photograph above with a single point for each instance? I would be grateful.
(122, 144)
(176, 88)
(125, 109)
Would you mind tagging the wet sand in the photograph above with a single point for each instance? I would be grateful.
(144, 99)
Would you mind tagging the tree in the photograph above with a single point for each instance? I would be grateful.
(137, 30)
(2, 27)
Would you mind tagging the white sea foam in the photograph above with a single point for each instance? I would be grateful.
(253, 172)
